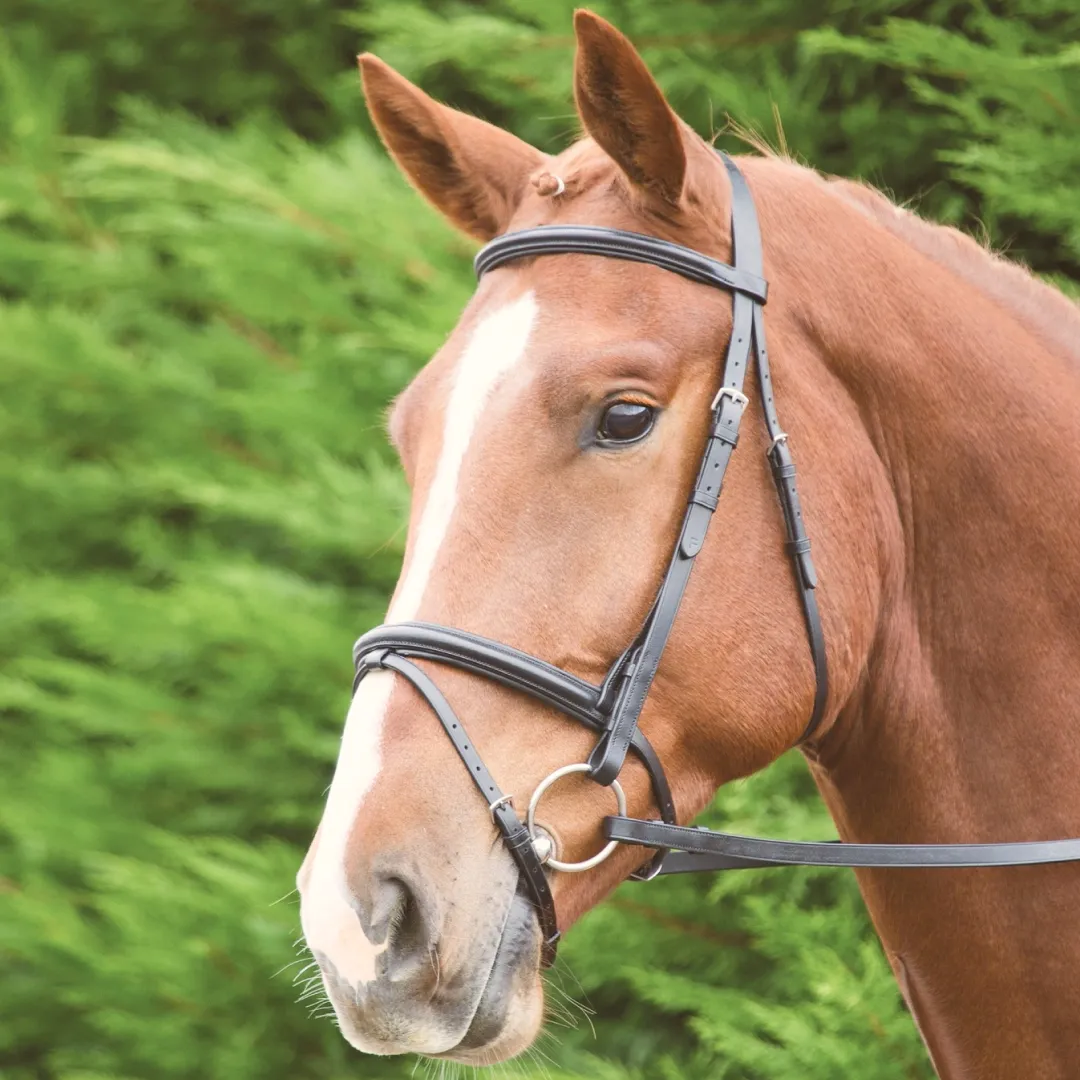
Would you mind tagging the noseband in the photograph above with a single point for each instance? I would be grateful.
(613, 708)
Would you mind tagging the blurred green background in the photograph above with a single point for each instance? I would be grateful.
(211, 282)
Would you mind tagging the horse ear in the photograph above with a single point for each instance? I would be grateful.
(472, 172)
(624, 110)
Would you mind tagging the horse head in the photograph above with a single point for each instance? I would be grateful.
(550, 446)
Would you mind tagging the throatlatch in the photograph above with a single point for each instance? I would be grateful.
(613, 709)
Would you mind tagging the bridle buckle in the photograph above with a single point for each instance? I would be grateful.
(736, 396)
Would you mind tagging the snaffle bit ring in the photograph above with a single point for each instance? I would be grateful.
(530, 821)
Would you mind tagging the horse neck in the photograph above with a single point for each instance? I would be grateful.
(971, 675)
(962, 726)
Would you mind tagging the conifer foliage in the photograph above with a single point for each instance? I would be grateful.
(211, 283)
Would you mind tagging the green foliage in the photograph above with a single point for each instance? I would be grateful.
(211, 283)
(198, 339)
(937, 101)
(222, 61)
(1007, 92)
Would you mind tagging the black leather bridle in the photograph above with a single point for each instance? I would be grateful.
(613, 708)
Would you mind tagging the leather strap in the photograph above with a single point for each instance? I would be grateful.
(747, 332)
(747, 236)
(798, 547)
(699, 849)
(512, 830)
(609, 754)
(489, 658)
(617, 244)
(512, 668)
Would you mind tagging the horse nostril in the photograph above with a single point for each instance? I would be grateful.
(397, 920)
(388, 897)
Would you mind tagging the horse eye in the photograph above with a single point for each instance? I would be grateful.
(626, 421)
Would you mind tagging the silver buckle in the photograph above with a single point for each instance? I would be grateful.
(726, 391)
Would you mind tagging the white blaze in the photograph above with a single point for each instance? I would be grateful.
(330, 924)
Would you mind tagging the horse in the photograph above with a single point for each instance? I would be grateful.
(932, 391)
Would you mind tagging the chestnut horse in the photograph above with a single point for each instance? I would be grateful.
(932, 392)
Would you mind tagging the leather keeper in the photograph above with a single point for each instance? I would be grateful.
(695, 526)
(720, 431)
(806, 569)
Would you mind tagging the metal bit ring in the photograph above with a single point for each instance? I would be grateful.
(530, 821)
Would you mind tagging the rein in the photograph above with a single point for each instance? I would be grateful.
(613, 708)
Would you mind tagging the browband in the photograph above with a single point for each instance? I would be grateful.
(619, 244)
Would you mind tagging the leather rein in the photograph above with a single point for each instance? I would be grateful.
(613, 708)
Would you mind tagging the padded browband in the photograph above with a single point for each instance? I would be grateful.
(618, 244)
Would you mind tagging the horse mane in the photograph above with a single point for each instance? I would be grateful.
(1039, 307)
